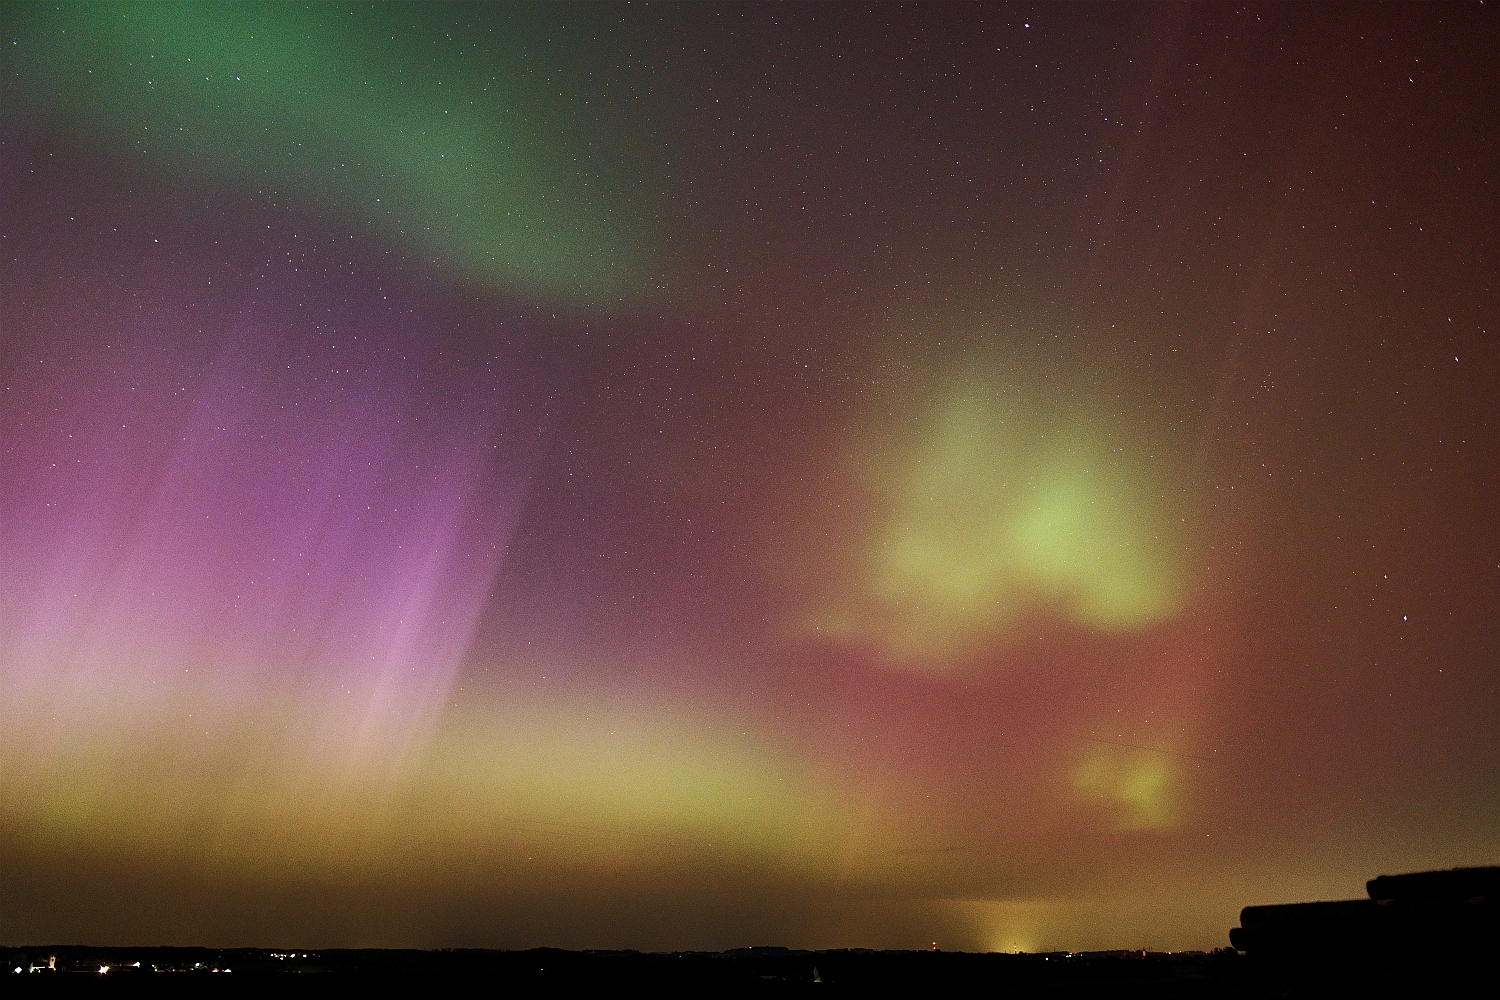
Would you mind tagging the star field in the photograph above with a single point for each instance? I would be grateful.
(697, 476)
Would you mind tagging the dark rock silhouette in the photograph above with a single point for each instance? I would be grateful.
(1445, 919)
(1454, 885)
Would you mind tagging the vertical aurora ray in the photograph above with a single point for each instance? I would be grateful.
(245, 565)
(299, 528)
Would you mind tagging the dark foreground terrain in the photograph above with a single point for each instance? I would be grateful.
(1419, 934)
(1223, 973)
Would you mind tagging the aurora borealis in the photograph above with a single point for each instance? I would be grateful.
(689, 476)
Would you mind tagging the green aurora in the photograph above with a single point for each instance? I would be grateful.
(993, 502)
(474, 159)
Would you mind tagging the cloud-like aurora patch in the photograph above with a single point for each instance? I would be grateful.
(992, 502)
(1135, 786)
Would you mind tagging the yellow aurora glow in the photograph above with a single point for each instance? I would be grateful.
(529, 782)
(1134, 785)
(1000, 504)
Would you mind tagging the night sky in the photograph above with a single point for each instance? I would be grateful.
(697, 476)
